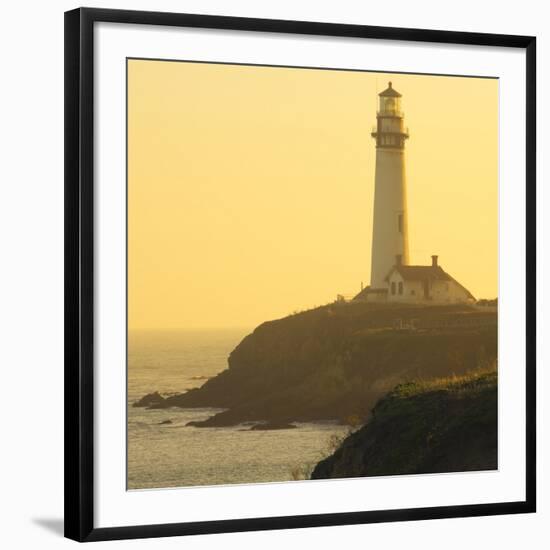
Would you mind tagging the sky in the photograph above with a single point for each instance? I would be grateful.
(250, 189)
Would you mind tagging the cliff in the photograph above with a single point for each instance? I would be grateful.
(336, 361)
(447, 425)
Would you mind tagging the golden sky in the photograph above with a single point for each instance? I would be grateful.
(250, 189)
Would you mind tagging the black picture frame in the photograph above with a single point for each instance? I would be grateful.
(79, 272)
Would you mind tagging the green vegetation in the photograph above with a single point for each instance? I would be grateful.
(337, 361)
(443, 425)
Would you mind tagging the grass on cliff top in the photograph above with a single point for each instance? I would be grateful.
(476, 380)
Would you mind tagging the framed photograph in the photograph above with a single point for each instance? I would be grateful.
(300, 274)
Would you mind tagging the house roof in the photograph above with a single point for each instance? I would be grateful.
(425, 273)
(389, 92)
(420, 273)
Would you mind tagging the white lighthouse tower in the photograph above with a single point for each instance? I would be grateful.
(390, 245)
(392, 278)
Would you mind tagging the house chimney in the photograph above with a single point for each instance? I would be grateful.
(434, 261)
(398, 259)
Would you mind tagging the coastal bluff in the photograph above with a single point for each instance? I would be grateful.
(336, 361)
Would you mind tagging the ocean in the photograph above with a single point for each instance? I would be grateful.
(176, 455)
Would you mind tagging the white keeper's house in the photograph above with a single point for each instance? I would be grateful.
(424, 283)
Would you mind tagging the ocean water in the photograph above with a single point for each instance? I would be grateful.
(176, 455)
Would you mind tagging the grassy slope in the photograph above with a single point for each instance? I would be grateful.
(336, 361)
(444, 425)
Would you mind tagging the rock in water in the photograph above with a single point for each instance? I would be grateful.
(149, 400)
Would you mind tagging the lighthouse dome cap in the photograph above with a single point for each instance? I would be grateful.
(389, 92)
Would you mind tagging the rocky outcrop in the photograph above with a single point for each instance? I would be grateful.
(150, 400)
(445, 425)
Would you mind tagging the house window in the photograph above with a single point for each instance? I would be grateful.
(400, 288)
(400, 223)
(393, 287)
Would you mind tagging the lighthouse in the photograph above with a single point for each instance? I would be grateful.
(392, 278)
(390, 245)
